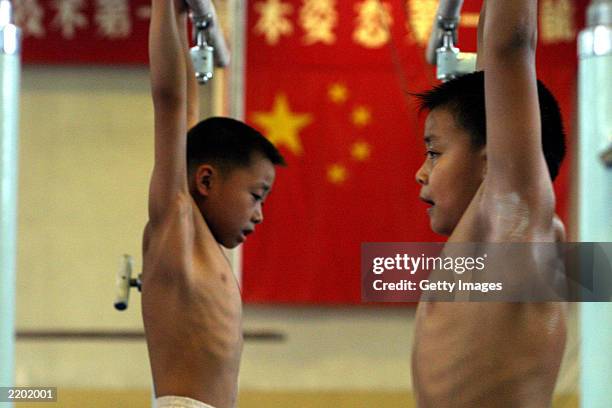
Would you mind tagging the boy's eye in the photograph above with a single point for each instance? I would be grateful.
(257, 197)
(431, 155)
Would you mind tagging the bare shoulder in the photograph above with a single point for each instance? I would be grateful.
(178, 214)
(180, 239)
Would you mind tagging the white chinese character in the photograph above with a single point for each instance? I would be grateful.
(420, 19)
(29, 16)
(69, 16)
(373, 23)
(557, 21)
(318, 18)
(273, 22)
(113, 18)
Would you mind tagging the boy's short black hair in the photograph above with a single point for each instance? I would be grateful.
(464, 97)
(228, 144)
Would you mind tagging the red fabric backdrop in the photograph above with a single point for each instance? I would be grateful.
(84, 31)
(327, 83)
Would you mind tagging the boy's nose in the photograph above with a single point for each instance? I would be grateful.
(257, 216)
(421, 175)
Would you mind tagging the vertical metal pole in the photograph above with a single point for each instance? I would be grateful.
(595, 193)
(237, 16)
(9, 109)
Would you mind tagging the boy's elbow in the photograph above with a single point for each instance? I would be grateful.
(521, 39)
(167, 95)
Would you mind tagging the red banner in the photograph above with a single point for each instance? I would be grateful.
(84, 31)
(327, 82)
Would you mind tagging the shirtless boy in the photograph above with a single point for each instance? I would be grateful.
(207, 189)
(492, 354)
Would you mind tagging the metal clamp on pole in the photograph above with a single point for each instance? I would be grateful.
(210, 48)
(441, 50)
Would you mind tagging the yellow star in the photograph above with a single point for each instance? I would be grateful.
(360, 151)
(361, 116)
(338, 93)
(336, 173)
(282, 126)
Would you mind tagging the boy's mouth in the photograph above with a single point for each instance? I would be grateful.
(427, 201)
(430, 202)
(243, 235)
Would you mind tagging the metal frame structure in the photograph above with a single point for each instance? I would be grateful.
(10, 73)
(594, 193)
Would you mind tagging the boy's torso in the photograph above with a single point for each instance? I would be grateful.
(189, 287)
(488, 354)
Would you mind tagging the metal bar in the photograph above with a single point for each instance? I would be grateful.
(125, 335)
(595, 193)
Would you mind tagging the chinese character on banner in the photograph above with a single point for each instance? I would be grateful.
(29, 16)
(420, 19)
(319, 18)
(113, 18)
(273, 22)
(84, 31)
(69, 17)
(373, 23)
(557, 21)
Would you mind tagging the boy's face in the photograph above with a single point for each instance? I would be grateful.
(234, 201)
(451, 173)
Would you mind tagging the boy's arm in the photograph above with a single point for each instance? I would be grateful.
(481, 20)
(168, 88)
(516, 168)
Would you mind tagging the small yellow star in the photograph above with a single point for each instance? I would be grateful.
(336, 173)
(282, 126)
(361, 116)
(338, 93)
(360, 151)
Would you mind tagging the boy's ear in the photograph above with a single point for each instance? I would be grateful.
(203, 178)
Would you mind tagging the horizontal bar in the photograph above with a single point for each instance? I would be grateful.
(55, 335)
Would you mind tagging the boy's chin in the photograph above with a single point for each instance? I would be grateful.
(440, 229)
(230, 244)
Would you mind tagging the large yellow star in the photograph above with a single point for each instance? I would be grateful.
(281, 126)
(360, 151)
(336, 173)
(338, 93)
(361, 116)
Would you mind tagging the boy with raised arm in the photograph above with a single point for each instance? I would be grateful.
(207, 189)
(490, 182)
